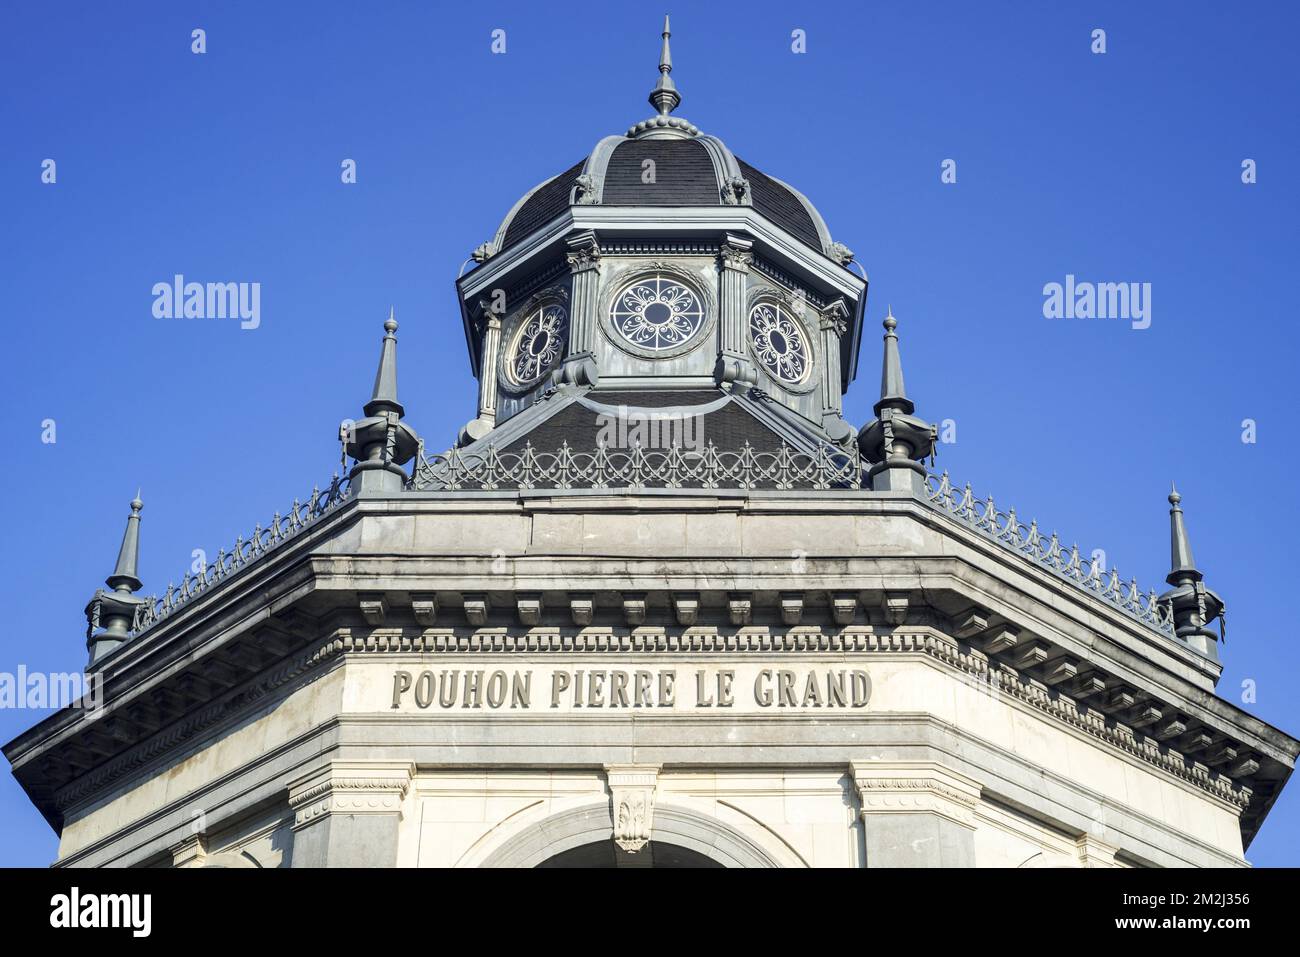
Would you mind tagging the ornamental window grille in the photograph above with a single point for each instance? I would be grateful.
(778, 343)
(538, 345)
(657, 313)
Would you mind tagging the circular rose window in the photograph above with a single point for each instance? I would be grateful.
(657, 313)
(538, 345)
(778, 343)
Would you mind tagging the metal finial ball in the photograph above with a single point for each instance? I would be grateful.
(390, 325)
(890, 323)
(136, 504)
(1174, 497)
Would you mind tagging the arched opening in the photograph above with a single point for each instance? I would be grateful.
(583, 836)
(609, 854)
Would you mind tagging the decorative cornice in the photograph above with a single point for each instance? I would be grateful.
(787, 282)
(184, 729)
(659, 247)
(996, 679)
(993, 678)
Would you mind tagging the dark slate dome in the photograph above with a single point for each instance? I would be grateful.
(689, 170)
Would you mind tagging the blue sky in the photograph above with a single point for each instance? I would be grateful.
(225, 167)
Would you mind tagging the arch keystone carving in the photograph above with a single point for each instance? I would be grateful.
(632, 801)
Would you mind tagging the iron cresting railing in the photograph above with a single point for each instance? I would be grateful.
(639, 468)
(1026, 540)
(300, 516)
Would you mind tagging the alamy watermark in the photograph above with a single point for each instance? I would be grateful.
(1098, 300)
(650, 430)
(179, 299)
(40, 690)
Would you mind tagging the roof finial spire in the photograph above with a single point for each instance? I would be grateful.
(892, 391)
(1191, 605)
(1182, 565)
(896, 442)
(384, 397)
(124, 578)
(381, 443)
(114, 611)
(664, 97)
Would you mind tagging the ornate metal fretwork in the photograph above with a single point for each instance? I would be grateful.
(639, 468)
(657, 313)
(539, 344)
(777, 341)
(301, 515)
(1026, 540)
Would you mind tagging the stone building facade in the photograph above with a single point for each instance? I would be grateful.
(659, 605)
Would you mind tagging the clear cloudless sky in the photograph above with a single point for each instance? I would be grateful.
(226, 167)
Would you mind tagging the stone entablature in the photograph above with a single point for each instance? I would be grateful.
(930, 742)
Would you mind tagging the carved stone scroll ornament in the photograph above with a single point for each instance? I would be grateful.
(632, 803)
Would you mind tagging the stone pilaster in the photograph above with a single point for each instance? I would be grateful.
(346, 813)
(1093, 853)
(734, 364)
(632, 803)
(832, 323)
(579, 366)
(486, 420)
(916, 814)
(487, 376)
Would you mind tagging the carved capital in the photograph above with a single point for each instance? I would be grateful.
(736, 257)
(632, 803)
(915, 787)
(834, 318)
(584, 253)
(350, 787)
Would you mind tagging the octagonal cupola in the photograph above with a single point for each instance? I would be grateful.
(663, 263)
